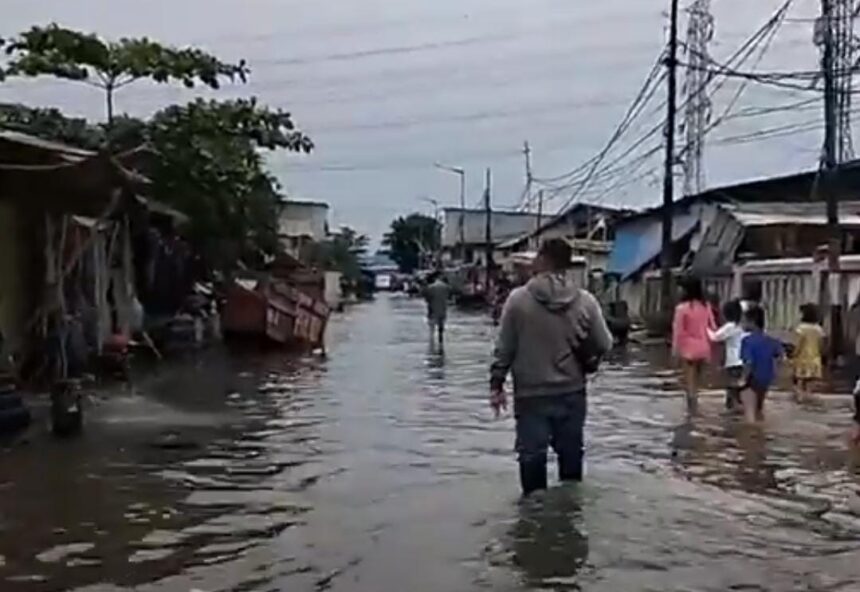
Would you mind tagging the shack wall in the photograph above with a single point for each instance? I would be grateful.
(12, 281)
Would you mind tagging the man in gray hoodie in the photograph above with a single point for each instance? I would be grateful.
(552, 335)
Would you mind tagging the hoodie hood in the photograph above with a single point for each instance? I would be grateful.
(554, 291)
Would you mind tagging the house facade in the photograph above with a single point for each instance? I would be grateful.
(301, 223)
(504, 226)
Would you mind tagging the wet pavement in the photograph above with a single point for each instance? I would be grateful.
(382, 468)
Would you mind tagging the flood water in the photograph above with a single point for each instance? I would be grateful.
(382, 468)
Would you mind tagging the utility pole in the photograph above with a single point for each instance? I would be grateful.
(527, 193)
(829, 167)
(462, 174)
(539, 211)
(488, 230)
(829, 157)
(668, 180)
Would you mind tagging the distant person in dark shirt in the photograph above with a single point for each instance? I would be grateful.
(760, 354)
(437, 294)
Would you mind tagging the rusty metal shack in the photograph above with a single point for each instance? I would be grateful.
(65, 256)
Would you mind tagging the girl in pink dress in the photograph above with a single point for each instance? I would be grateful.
(690, 341)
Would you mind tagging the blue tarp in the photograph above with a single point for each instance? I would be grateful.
(638, 242)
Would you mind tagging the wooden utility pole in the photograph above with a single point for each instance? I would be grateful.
(668, 178)
(488, 230)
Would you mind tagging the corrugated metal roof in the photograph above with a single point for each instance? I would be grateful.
(726, 232)
(780, 213)
(36, 142)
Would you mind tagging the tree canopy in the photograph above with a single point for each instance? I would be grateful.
(206, 162)
(340, 252)
(110, 65)
(51, 124)
(413, 239)
(207, 156)
(209, 165)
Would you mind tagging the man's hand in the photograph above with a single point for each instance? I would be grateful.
(498, 401)
(854, 435)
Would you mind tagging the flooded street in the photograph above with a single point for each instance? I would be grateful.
(381, 468)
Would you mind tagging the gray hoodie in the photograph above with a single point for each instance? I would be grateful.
(547, 326)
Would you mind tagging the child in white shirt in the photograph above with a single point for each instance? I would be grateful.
(731, 333)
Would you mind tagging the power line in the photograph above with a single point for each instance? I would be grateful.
(639, 102)
(741, 55)
(461, 118)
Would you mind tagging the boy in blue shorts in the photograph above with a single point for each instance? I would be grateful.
(759, 353)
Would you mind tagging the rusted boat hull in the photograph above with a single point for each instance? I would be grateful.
(272, 311)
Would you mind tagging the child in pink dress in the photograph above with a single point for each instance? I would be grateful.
(690, 340)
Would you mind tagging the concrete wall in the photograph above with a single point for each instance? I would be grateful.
(300, 222)
(333, 296)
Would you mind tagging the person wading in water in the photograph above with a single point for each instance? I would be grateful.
(436, 294)
(552, 334)
(690, 341)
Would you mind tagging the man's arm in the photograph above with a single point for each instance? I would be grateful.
(505, 348)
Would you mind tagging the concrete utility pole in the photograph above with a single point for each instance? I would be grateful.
(488, 230)
(832, 14)
(668, 180)
(539, 211)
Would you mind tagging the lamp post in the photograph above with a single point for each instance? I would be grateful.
(434, 240)
(462, 223)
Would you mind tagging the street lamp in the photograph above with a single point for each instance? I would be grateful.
(434, 203)
(462, 173)
(434, 240)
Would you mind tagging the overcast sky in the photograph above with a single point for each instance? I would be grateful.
(387, 87)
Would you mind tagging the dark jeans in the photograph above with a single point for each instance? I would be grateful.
(556, 421)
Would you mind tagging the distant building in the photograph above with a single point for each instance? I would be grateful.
(505, 225)
(590, 230)
(301, 223)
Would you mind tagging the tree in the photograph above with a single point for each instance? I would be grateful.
(51, 124)
(112, 65)
(209, 165)
(341, 252)
(206, 161)
(413, 239)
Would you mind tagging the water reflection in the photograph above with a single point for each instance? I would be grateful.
(754, 473)
(548, 540)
